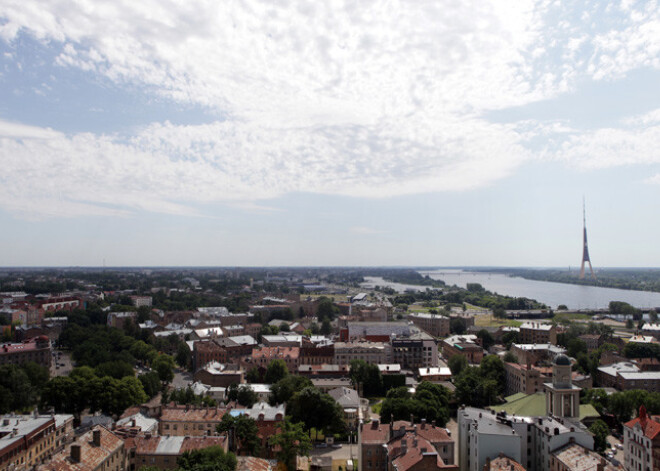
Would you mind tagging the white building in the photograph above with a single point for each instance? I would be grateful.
(483, 434)
(640, 437)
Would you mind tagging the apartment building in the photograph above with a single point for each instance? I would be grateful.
(538, 332)
(163, 452)
(370, 352)
(419, 350)
(641, 442)
(97, 450)
(464, 345)
(37, 350)
(433, 324)
(378, 444)
(186, 421)
(523, 379)
(261, 357)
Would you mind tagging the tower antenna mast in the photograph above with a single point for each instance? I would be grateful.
(585, 247)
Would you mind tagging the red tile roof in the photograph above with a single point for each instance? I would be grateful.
(650, 427)
(91, 456)
(276, 352)
(504, 463)
(250, 463)
(184, 414)
(375, 433)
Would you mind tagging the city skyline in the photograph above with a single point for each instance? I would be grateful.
(318, 134)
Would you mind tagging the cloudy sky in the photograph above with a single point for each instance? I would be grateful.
(449, 132)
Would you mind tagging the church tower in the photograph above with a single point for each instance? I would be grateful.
(562, 398)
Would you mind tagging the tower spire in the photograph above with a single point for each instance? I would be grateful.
(585, 247)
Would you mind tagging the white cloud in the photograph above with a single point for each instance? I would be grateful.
(370, 99)
(363, 230)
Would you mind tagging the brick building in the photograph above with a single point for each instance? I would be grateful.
(416, 351)
(576, 457)
(523, 378)
(370, 352)
(433, 324)
(36, 350)
(183, 421)
(119, 319)
(538, 332)
(261, 357)
(219, 375)
(464, 345)
(162, 452)
(97, 450)
(375, 438)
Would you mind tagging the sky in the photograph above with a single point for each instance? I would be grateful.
(257, 133)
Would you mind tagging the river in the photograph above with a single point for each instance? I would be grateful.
(552, 294)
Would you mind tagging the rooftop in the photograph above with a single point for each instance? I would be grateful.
(91, 456)
(188, 414)
(577, 458)
(536, 326)
(276, 352)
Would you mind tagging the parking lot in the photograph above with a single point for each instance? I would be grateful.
(615, 449)
(61, 363)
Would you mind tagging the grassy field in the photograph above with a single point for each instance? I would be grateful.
(488, 320)
(570, 316)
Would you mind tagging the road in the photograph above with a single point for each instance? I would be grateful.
(61, 358)
(619, 452)
(342, 453)
(181, 379)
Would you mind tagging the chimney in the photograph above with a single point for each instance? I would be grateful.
(133, 423)
(96, 437)
(404, 446)
(75, 453)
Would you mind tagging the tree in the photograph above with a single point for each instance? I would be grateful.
(150, 382)
(620, 307)
(285, 388)
(456, 364)
(276, 371)
(164, 366)
(326, 327)
(253, 375)
(492, 368)
(15, 383)
(212, 458)
(326, 309)
(183, 355)
(510, 357)
(244, 433)
(576, 346)
(457, 326)
(473, 389)
(366, 377)
(316, 410)
(430, 402)
(243, 394)
(115, 369)
(292, 441)
(600, 431)
(597, 398)
(487, 339)
(509, 338)
(562, 307)
(653, 316)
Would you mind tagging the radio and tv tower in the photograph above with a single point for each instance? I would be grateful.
(585, 248)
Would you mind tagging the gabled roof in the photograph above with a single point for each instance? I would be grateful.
(649, 425)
